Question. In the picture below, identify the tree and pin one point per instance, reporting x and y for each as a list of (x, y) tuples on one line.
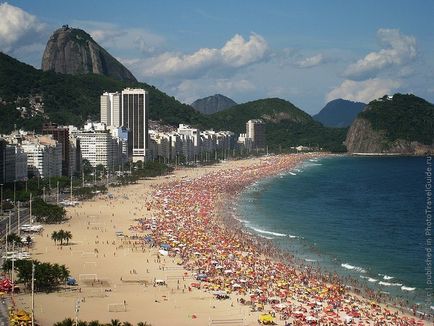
[(55, 236), (13, 237), (67, 236), (115, 322)]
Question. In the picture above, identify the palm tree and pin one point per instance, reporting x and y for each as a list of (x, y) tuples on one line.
[(115, 322), (67, 236), (94, 323), (126, 323), (55, 236), (61, 236)]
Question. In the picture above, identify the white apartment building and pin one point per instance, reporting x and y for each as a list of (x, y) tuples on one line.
[(98, 146), (255, 130), (44, 156), (110, 109), (191, 141)]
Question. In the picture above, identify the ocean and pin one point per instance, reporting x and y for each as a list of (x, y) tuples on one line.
[(361, 217)]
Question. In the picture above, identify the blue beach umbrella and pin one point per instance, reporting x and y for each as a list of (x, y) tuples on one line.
[(165, 246)]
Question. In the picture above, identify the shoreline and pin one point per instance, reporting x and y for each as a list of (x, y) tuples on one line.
[(354, 285), (194, 304)]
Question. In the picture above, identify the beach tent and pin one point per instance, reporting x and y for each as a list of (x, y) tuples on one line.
[(165, 246), (266, 319), (71, 281), (201, 277), (163, 252)]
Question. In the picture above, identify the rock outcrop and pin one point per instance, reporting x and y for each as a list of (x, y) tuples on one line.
[(213, 104), (73, 51), (393, 125)]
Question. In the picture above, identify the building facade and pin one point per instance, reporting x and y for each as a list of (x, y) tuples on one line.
[(255, 130), (61, 135), (135, 105)]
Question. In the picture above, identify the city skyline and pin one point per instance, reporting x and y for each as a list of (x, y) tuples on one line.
[(307, 53)]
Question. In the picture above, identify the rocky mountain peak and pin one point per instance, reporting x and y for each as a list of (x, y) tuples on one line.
[(73, 51)]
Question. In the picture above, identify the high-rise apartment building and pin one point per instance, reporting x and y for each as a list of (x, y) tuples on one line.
[(110, 106), (61, 135), (135, 118), (255, 130), (128, 109)]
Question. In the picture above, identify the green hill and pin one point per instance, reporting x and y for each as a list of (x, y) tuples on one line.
[(286, 125), (405, 116), (72, 99), (402, 124)]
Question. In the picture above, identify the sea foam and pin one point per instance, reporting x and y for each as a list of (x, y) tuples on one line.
[(353, 268), (268, 232)]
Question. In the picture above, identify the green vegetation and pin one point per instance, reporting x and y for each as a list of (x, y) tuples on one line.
[(72, 99), (47, 276), (61, 236), (286, 125), (47, 213), (406, 117)]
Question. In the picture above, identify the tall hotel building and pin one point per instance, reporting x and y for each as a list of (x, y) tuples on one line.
[(135, 117), (128, 109)]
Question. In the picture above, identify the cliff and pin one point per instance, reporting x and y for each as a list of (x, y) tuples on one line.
[(73, 51), (213, 104), (402, 124)]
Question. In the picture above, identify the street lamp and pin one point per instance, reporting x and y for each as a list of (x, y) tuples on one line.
[(15, 190), (57, 193), (1, 198)]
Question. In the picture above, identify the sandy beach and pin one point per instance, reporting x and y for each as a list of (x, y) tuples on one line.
[(116, 255)]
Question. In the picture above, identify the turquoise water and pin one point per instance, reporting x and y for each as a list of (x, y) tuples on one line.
[(358, 216)]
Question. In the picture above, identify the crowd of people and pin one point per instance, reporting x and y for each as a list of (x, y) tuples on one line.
[(188, 222)]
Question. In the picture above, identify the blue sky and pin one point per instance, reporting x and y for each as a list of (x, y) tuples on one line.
[(307, 52)]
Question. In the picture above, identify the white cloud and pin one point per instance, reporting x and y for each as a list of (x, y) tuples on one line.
[(17, 28), (311, 61), (236, 53), (363, 91), (114, 37), (399, 49)]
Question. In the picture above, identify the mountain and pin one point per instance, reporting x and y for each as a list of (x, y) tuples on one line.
[(402, 124), (285, 124), (71, 99), (73, 51), (213, 104), (339, 113)]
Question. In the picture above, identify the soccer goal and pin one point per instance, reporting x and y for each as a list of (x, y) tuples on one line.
[(117, 307), (87, 277)]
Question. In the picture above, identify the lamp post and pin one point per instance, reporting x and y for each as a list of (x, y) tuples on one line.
[(30, 210), (1, 198), (33, 294), (70, 191), (57, 195), (18, 215)]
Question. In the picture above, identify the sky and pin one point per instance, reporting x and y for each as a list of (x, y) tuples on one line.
[(307, 52)]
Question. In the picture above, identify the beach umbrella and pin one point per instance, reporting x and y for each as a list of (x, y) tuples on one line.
[(266, 319)]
